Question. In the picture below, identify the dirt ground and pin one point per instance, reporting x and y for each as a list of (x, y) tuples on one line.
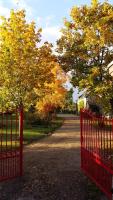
[(52, 169)]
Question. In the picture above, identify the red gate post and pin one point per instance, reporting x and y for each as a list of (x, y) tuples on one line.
[(21, 139)]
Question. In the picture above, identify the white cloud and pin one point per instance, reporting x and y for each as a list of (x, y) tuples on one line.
[(52, 30), (46, 21), (16, 4), (22, 4), (4, 11), (39, 20), (51, 33)]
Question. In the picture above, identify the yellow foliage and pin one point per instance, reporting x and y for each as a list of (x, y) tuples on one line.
[(53, 94)]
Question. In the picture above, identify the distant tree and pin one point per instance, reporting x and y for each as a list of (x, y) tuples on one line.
[(69, 104)]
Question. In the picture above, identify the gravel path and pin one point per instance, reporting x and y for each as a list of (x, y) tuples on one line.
[(52, 168)]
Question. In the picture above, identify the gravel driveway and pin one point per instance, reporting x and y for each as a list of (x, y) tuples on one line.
[(52, 169)]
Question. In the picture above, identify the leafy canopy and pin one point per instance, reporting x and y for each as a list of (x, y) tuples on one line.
[(28, 72), (86, 48), (18, 41)]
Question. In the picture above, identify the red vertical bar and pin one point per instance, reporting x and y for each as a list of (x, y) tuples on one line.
[(100, 144), (89, 134), (105, 141), (1, 151), (4, 147), (85, 128), (16, 142), (104, 136), (21, 139), (93, 132), (6, 162), (81, 129), (111, 140), (84, 132), (107, 138), (96, 135), (110, 147), (91, 138), (88, 131), (11, 130), (2, 161)]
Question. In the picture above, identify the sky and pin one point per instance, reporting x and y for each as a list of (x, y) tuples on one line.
[(47, 14)]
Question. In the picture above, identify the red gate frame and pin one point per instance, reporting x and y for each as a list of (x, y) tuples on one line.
[(97, 149), (11, 159)]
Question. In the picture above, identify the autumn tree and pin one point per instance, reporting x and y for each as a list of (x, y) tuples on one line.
[(18, 49), (86, 48), (53, 93), (29, 73), (24, 66), (45, 62)]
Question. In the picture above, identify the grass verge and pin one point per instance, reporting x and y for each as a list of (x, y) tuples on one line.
[(33, 133)]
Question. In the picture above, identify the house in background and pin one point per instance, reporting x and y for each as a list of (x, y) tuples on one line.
[(90, 102), (81, 102), (110, 68)]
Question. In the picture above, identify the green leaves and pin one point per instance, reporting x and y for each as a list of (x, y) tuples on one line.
[(86, 48)]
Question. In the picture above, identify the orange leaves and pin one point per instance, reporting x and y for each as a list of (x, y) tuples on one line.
[(53, 93)]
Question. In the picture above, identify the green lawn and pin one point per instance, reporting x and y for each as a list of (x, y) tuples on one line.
[(33, 133)]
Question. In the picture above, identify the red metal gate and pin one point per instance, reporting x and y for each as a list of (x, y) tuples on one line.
[(97, 150), (11, 139)]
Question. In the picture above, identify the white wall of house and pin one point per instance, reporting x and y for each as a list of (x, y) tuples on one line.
[(110, 68), (84, 100)]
